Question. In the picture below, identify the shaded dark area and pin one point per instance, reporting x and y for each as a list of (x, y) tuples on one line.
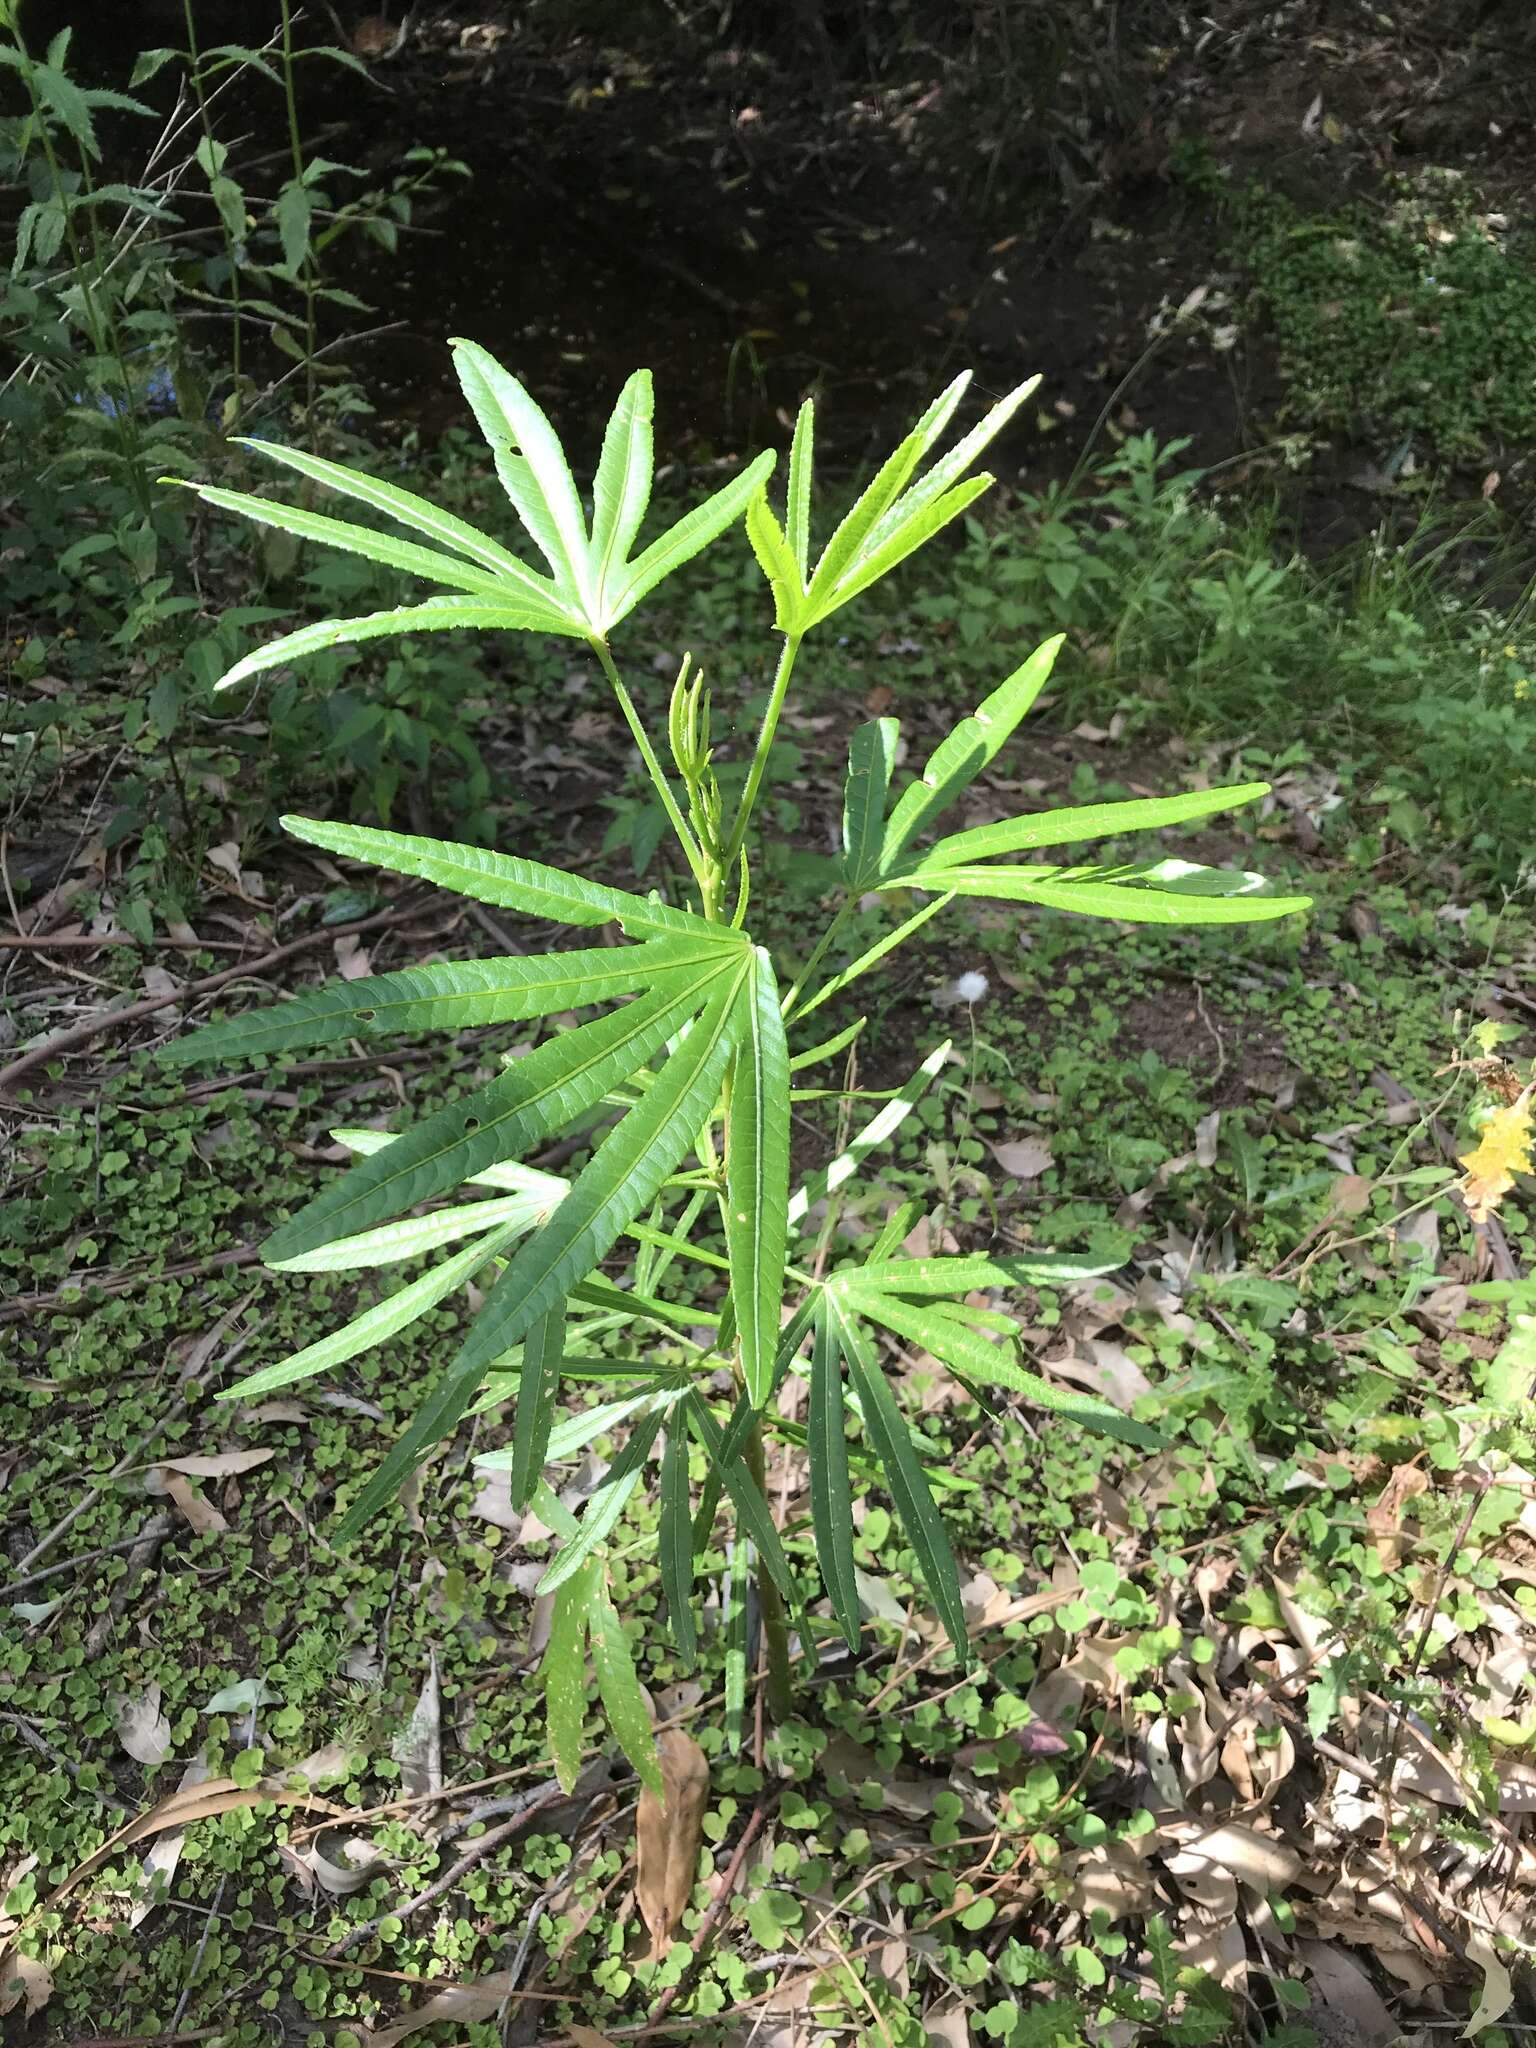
[(765, 201)]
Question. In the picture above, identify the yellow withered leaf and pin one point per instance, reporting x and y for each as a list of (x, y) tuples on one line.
[(1503, 1150)]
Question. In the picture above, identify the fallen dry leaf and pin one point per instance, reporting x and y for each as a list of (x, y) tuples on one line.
[(418, 1749), (667, 1836), (194, 1510), (142, 1729), (26, 1982), (1498, 1987), (461, 2003), (1104, 1369), (164, 1854), (1343, 1987), (1384, 1518), (587, 2037), (220, 1465), (1024, 1158)]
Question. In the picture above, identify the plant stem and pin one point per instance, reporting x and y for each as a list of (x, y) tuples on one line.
[(770, 1600), (231, 250), (307, 278), (654, 769), (818, 954), (764, 746)]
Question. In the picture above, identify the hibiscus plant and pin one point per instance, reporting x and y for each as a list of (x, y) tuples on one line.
[(685, 1064)]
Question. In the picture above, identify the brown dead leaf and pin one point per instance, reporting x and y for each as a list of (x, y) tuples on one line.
[(219, 1466), (352, 958), (947, 2026), (26, 1982), (1384, 1518), (418, 1749), (142, 1728), (194, 1510), (462, 2004), (588, 2037), (667, 1836), (1343, 1987), (1105, 1369), (1023, 1158)]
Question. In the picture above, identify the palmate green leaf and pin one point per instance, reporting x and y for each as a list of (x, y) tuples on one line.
[(601, 1514), (376, 1325), (757, 1193), (829, 1048), (393, 1243), (680, 543), (543, 488), (675, 1541), (538, 1385), (456, 995), (541, 1189), (621, 489), (508, 882), (903, 1470), (1092, 892), (871, 760), (383, 548), (513, 614), (948, 470), (872, 956), (563, 1674), (1087, 821), (945, 1329), (622, 1178), (420, 514), (619, 1689), (549, 1088), (878, 496), (570, 1436), (752, 1510), (831, 1492), (964, 1275), (961, 756), (878, 561)]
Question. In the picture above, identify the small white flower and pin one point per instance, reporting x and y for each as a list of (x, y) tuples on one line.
[(965, 988)]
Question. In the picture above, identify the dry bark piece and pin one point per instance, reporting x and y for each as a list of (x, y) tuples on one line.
[(667, 1836)]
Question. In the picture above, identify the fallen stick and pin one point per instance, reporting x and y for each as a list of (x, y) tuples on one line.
[(110, 1020)]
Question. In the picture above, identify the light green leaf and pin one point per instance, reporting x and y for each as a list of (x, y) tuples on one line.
[(675, 1541), (622, 488), (880, 1127), (511, 420), (961, 756), (563, 1675), (621, 1694), (551, 1087), (831, 1494), (828, 1049), (775, 560), (949, 469), (907, 539), (621, 1179), (502, 879), (871, 758), (456, 995), (410, 510), (683, 541), (903, 1470), (538, 1385), (941, 1328), (393, 1243), (569, 1437), (757, 1148), (513, 614), (874, 954), (602, 1511), (798, 508), (961, 1276), (383, 548), (386, 1319), (1088, 821), (1056, 889), (877, 498)]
